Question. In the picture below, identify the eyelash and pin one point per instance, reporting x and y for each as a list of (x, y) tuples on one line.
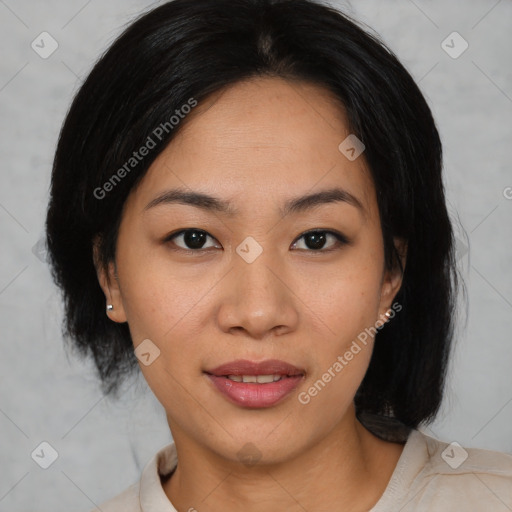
[(341, 239)]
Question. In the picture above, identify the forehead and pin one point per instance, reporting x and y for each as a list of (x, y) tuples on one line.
[(260, 140)]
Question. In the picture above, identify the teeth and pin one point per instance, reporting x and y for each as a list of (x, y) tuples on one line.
[(260, 379), (263, 379)]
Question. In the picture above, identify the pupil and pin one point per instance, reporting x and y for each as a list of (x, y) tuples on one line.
[(194, 239), (317, 239)]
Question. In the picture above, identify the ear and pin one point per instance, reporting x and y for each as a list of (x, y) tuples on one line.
[(109, 283), (392, 280)]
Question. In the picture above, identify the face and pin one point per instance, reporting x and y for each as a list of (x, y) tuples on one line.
[(246, 278)]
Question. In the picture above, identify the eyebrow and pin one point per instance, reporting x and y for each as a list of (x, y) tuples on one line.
[(215, 204)]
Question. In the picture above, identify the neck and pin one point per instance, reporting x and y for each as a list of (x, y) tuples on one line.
[(347, 470)]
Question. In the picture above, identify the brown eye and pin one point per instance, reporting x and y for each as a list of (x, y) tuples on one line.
[(190, 239), (316, 240)]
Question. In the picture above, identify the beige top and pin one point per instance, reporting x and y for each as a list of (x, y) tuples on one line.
[(430, 475)]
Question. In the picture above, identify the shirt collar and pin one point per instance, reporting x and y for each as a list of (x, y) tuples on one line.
[(152, 495)]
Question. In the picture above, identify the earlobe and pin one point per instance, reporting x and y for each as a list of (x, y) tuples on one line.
[(109, 283)]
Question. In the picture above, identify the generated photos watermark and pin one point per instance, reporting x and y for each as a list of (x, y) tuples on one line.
[(138, 156), (341, 362)]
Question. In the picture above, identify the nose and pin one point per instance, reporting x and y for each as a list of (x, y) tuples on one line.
[(257, 300)]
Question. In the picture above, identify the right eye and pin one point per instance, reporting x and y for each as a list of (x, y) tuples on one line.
[(192, 239)]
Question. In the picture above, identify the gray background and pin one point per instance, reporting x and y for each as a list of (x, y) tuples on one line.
[(48, 395)]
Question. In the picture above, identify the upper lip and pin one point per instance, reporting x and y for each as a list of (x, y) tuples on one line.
[(246, 367)]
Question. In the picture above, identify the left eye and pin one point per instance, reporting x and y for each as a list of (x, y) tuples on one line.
[(315, 240), (195, 239)]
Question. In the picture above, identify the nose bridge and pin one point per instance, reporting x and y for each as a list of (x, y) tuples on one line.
[(258, 300), (259, 276)]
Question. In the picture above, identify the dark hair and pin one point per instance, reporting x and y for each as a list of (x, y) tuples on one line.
[(187, 49)]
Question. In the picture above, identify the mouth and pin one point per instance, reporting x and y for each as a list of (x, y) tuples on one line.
[(255, 384)]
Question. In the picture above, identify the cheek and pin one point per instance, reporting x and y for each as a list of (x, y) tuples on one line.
[(159, 296), (348, 308), (348, 298), (170, 305), (163, 304), (347, 302)]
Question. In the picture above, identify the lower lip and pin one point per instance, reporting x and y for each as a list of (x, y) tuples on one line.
[(248, 394)]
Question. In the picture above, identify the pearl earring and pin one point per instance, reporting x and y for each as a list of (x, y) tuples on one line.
[(110, 307)]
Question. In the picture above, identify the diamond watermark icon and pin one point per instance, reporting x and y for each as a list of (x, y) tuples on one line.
[(147, 352), (454, 45), (454, 455), (249, 454), (44, 455), (352, 147), (249, 249), (44, 45)]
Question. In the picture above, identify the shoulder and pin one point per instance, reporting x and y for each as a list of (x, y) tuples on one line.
[(450, 458), (449, 476)]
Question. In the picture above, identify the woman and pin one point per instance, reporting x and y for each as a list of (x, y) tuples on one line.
[(247, 204)]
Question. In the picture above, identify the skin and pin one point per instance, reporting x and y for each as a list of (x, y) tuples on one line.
[(257, 144)]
